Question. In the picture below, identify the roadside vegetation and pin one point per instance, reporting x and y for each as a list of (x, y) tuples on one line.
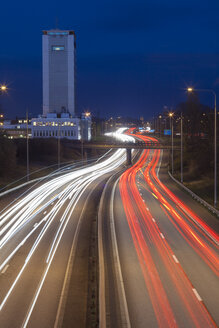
[(42, 153), (198, 146)]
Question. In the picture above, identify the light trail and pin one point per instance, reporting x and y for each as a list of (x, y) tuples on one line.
[(148, 240), (61, 192)]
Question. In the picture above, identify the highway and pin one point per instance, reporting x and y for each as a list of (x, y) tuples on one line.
[(157, 248), (38, 238), (160, 252)]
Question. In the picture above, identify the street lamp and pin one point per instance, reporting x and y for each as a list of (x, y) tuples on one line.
[(87, 114), (171, 127), (190, 89), (27, 137), (3, 88), (160, 117), (181, 134), (58, 145)]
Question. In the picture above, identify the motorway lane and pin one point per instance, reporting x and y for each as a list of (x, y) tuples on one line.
[(140, 309), (177, 287), (19, 302), (196, 252)]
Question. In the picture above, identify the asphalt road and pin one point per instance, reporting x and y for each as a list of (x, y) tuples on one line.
[(168, 252), (158, 250), (39, 236)]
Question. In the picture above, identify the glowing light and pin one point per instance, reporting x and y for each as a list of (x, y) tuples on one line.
[(3, 87)]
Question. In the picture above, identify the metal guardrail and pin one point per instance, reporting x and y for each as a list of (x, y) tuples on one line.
[(196, 197), (127, 145)]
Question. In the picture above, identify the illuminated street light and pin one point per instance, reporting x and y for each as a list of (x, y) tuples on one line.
[(3, 88), (87, 114), (190, 89)]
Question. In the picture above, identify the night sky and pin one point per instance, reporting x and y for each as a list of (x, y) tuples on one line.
[(133, 57)]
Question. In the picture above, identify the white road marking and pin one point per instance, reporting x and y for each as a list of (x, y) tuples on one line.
[(153, 220), (162, 235), (197, 294), (175, 259), (5, 268), (45, 212)]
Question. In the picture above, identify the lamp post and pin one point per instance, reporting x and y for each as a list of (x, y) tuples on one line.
[(181, 134), (171, 128), (58, 145), (3, 89), (27, 132), (215, 137), (160, 117)]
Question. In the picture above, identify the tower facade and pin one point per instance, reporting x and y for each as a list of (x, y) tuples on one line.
[(59, 72)]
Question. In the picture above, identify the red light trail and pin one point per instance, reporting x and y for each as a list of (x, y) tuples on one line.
[(152, 247)]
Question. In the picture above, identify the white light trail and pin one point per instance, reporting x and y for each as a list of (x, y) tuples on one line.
[(62, 190)]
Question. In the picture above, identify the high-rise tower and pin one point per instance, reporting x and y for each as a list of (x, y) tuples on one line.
[(58, 72)]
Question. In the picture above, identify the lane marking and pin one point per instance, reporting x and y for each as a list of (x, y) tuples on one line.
[(197, 294), (45, 212), (175, 259), (154, 195), (5, 268), (35, 224), (162, 235), (153, 220), (125, 320)]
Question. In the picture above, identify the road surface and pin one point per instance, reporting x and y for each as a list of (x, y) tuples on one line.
[(167, 254), (38, 238)]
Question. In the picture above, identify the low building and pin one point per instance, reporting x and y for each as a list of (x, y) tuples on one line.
[(56, 126), (16, 128)]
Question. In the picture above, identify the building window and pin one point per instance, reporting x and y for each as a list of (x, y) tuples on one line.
[(58, 48), (57, 33)]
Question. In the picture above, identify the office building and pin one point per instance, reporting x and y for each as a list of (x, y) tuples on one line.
[(59, 72), (58, 119)]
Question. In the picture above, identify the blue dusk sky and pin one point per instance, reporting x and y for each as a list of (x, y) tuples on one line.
[(133, 57)]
